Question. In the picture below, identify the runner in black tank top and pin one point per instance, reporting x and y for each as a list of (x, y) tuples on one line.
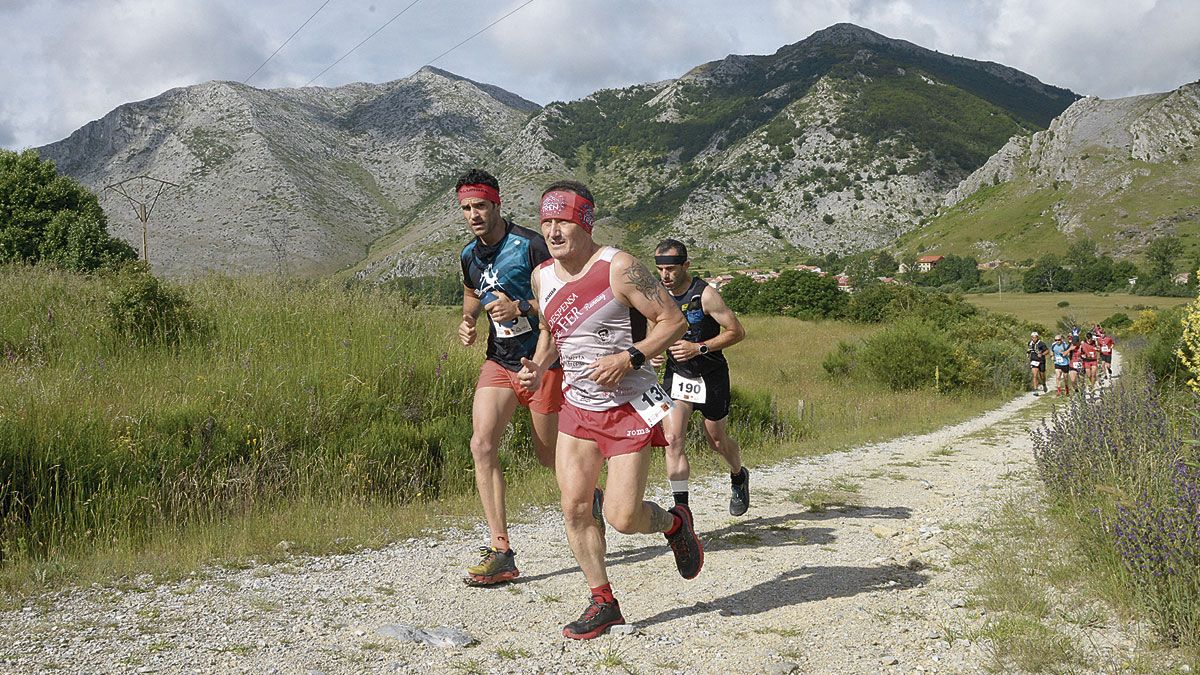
[(701, 328), (697, 374)]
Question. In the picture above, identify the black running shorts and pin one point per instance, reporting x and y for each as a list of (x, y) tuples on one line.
[(716, 389)]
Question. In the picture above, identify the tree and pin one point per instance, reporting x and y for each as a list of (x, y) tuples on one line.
[(1046, 276), (1081, 253), (1161, 255), (740, 293), (884, 264), (48, 217), (805, 295)]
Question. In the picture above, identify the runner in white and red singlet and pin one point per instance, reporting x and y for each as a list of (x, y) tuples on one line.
[(595, 302)]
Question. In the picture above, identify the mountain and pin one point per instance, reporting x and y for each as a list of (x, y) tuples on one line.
[(1120, 172), (297, 180), (843, 141)]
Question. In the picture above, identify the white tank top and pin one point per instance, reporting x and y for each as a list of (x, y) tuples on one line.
[(588, 322)]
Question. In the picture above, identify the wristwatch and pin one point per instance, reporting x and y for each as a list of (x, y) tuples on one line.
[(703, 348), (524, 307), (636, 358)]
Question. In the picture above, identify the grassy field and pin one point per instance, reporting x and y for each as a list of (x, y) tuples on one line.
[(1087, 308), (324, 417)]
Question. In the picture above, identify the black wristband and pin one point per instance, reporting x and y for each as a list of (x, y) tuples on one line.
[(636, 358)]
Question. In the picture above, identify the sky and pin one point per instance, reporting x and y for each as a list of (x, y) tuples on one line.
[(68, 62)]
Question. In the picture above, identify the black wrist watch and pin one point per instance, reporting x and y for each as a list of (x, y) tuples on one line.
[(636, 358), (703, 348), (524, 307)]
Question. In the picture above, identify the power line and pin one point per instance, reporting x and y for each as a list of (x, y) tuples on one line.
[(260, 67), (478, 33), (385, 25)]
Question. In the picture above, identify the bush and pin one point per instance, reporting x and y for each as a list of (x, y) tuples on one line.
[(1117, 322), (1161, 355), (906, 354), (144, 310), (840, 362), (1064, 303), (1122, 472)]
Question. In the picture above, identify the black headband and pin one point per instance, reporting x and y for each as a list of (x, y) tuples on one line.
[(670, 259)]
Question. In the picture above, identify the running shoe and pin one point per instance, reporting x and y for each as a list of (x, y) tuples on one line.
[(689, 553), (597, 618), (494, 567), (739, 501)]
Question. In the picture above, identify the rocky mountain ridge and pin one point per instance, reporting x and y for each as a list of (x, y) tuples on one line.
[(828, 144), (1118, 171)]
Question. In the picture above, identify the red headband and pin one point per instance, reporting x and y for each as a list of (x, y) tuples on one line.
[(565, 205), (479, 191)]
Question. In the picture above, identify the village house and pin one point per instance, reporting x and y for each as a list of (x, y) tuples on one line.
[(926, 263)]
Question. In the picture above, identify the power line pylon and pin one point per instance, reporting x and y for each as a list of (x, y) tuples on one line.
[(144, 204)]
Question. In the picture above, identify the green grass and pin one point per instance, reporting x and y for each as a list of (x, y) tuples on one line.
[(1087, 308), (328, 418), (1017, 216), (1043, 595)]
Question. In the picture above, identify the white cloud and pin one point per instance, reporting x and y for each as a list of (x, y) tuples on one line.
[(75, 60)]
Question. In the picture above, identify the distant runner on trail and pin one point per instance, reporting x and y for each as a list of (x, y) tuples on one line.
[(1037, 362), (1106, 350), (596, 301), (697, 375), (496, 268), (1062, 365)]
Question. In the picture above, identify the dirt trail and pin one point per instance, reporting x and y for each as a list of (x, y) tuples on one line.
[(866, 588)]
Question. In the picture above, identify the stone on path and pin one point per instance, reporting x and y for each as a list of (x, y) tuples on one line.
[(437, 637)]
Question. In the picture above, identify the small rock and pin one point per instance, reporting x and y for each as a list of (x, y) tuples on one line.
[(889, 660), (433, 543), (883, 532), (623, 629), (782, 668), (932, 635), (1185, 668), (284, 546), (957, 603)]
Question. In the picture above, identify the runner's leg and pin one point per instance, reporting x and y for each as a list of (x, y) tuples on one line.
[(490, 414), (625, 507), (545, 435), (719, 440), (678, 468), (577, 466)]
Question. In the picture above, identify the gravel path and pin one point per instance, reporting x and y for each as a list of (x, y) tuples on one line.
[(865, 588)]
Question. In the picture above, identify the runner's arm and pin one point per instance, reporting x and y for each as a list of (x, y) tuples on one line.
[(546, 353), (634, 286), (714, 306), (471, 308)]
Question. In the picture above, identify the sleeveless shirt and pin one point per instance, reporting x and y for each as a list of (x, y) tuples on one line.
[(701, 327), (587, 322)]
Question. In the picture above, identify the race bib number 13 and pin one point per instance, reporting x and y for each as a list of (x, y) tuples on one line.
[(652, 405), (688, 389)]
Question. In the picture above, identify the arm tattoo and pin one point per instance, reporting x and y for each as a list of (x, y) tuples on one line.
[(660, 519), (640, 277)]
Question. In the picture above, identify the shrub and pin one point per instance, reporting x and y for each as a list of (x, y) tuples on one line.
[(1161, 357), (905, 355), (1064, 303), (840, 362), (1189, 347), (144, 310), (1117, 322), (1121, 470)]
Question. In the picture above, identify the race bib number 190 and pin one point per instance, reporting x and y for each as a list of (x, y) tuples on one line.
[(652, 405), (688, 389)]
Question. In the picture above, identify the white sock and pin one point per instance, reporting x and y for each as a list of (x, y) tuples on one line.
[(678, 485)]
